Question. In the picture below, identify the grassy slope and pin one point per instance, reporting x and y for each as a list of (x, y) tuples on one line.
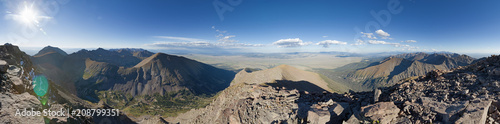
[(168, 105)]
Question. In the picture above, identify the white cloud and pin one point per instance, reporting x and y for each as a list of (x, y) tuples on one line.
[(226, 39), (202, 44), (377, 42), (382, 33), (223, 36), (368, 35), (181, 38), (387, 43), (401, 45), (327, 43), (296, 42), (325, 36), (409, 41), (359, 42)]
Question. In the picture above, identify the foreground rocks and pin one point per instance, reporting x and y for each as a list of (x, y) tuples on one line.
[(467, 94), (11, 102), (383, 112), (244, 103)]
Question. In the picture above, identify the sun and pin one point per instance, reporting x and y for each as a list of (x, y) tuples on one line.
[(28, 15)]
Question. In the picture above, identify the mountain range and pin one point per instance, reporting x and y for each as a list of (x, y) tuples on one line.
[(379, 72), (161, 88), (466, 94), (17, 93)]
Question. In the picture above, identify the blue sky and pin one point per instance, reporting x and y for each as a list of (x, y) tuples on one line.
[(256, 25)]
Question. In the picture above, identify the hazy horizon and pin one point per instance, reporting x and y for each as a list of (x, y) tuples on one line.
[(216, 27), (33, 50)]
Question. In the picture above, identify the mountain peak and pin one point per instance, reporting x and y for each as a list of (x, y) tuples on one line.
[(284, 66), (157, 56), (51, 49), (286, 76)]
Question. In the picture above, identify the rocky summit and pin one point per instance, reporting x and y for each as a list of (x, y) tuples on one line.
[(467, 94)]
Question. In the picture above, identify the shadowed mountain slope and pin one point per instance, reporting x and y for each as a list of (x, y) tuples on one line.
[(161, 73), (132, 71), (17, 93), (130, 79)]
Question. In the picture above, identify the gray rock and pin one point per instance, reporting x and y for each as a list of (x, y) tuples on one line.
[(18, 84), (495, 72), (384, 112), (448, 112), (376, 95), (318, 116), (14, 70), (12, 102), (476, 112), (352, 120), (330, 102)]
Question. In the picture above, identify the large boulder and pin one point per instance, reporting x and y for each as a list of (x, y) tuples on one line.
[(328, 112), (384, 112), (10, 103), (318, 116), (447, 112), (476, 112)]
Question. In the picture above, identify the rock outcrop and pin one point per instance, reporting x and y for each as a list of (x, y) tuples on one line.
[(242, 103), (382, 112), (462, 95)]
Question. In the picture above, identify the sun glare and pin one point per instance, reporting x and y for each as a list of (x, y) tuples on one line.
[(28, 15)]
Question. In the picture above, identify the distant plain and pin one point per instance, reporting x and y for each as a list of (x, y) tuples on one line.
[(303, 61)]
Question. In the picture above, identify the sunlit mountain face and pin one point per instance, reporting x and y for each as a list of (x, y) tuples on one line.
[(240, 61)]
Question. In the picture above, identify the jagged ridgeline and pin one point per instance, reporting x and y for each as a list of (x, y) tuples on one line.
[(135, 80), (18, 91), (381, 72)]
